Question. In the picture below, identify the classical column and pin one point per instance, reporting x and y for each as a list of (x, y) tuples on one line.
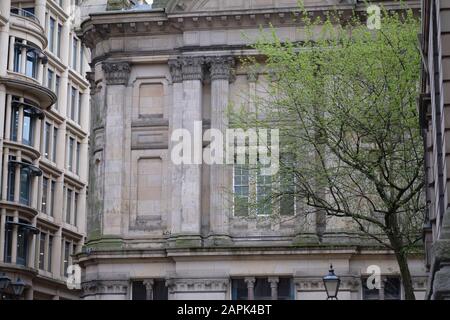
[(192, 71), (57, 253), (2, 233), (39, 10), (116, 76), (5, 7), (220, 69), (250, 281), (175, 124), (149, 289), (274, 287)]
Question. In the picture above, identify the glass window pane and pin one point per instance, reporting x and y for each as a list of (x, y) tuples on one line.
[(42, 250), (44, 194)]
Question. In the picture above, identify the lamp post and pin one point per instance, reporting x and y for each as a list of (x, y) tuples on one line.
[(8, 287), (331, 283)]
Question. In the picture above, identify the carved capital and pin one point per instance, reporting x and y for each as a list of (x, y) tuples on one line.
[(250, 281), (221, 67), (192, 68), (176, 71), (116, 73)]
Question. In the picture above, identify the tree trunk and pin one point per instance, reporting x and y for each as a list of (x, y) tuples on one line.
[(402, 261)]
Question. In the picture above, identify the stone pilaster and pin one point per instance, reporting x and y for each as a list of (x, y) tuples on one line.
[(176, 123), (221, 74), (116, 75), (189, 105)]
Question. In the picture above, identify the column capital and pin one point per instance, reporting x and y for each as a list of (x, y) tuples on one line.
[(250, 281), (148, 283), (273, 281), (176, 72), (192, 68), (221, 67), (116, 73)]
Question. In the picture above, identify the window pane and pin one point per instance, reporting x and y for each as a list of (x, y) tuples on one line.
[(69, 205), (47, 136), (71, 146), (370, 294), (52, 194), (263, 194), (239, 289), (392, 288), (55, 135), (160, 291), (17, 58), (27, 132), (66, 256), (50, 76), (285, 289), (50, 252), (31, 64), (14, 123), (262, 289), (51, 35), (25, 186), (138, 291), (57, 84), (44, 194), (241, 189), (58, 49), (22, 245), (42, 250)]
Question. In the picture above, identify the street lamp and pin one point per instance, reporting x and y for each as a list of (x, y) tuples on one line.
[(331, 283), (6, 286), (18, 287)]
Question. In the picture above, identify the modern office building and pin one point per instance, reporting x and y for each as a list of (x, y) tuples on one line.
[(44, 125), (435, 120), (157, 230)]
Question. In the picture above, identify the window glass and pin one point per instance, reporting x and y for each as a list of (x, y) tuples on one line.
[(25, 186), (44, 194), (47, 137), (392, 288), (27, 131), (241, 189), (42, 250), (66, 256), (69, 205), (55, 135), (51, 35), (50, 252), (138, 291)]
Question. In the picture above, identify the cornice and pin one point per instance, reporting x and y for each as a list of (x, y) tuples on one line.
[(121, 23)]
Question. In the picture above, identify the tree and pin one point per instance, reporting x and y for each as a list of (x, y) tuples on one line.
[(344, 100)]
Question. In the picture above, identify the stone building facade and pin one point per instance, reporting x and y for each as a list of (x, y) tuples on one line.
[(44, 125), (157, 230), (435, 116)]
